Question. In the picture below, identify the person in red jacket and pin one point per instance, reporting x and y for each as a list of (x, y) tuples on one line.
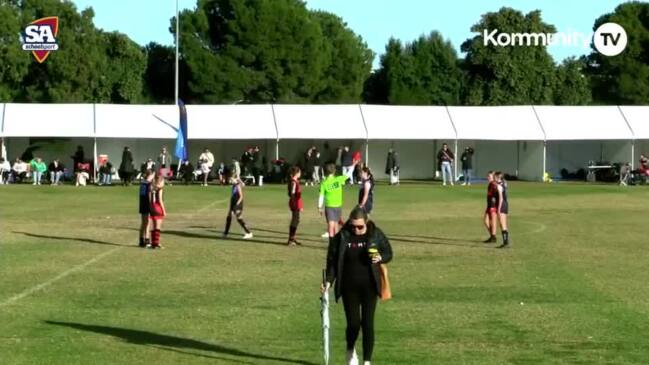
[(295, 203)]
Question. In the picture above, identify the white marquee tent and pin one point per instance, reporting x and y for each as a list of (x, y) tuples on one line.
[(505, 138), (576, 135), (516, 139), (414, 131), (302, 126), (638, 119)]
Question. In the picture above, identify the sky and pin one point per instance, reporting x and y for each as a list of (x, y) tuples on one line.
[(374, 20)]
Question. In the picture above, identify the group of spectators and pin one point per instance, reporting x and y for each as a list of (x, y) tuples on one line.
[(346, 162), (36, 170), (445, 159)]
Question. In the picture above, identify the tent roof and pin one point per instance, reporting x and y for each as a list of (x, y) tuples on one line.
[(230, 122), (407, 122), (48, 120), (136, 121), (583, 123), (496, 123), (319, 122), (638, 118)]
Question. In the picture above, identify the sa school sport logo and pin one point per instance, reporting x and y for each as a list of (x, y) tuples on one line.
[(39, 37)]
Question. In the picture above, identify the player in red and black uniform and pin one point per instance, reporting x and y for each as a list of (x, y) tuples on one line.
[(158, 211), (503, 207), (490, 214), (145, 207), (295, 203)]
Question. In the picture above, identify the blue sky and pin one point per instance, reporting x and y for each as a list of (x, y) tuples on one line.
[(375, 20)]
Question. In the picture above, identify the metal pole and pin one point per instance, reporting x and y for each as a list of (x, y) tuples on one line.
[(544, 160), (633, 155), (94, 167), (177, 38), (367, 153)]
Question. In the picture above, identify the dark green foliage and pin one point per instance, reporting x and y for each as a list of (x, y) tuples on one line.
[(624, 79)]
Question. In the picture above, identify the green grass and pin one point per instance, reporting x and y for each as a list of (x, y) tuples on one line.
[(572, 290)]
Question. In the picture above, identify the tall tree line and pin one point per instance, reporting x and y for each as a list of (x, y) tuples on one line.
[(278, 51)]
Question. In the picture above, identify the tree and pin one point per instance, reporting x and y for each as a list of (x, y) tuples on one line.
[(270, 51), (624, 79), (508, 75), (13, 63), (160, 74), (90, 65), (424, 72), (348, 62), (572, 86)]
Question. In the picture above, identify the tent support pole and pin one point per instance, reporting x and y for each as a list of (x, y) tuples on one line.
[(633, 155), (277, 149), (3, 148), (367, 153), (545, 145), (518, 157), (94, 156), (454, 178)]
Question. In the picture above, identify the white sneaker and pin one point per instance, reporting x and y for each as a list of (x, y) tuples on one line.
[(352, 358), (443, 184), (463, 184), (366, 363), (325, 235), (247, 236)]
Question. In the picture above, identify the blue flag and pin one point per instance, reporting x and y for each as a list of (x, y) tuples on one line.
[(181, 139)]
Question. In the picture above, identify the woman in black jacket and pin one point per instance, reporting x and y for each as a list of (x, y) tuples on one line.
[(126, 168), (353, 265)]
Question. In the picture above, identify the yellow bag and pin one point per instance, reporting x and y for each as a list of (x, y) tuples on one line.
[(386, 293)]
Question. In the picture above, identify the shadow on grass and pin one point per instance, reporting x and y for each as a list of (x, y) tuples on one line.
[(139, 337), (77, 239), (433, 238), (217, 236), (468, 244)]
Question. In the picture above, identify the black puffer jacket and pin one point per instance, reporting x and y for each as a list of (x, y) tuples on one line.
[(336, 254)]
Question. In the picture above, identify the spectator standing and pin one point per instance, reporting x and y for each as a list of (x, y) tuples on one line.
[(309, 167), (164, 159), (347, 161), (38, 169), (317, 163), (338, 161), (78, 157), (56, 171), (147, 165), (467, 165), (5, 171), (126, 168), (392, 166), (446, 157)]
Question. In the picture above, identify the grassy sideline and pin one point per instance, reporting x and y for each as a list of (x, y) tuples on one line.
[(572, 290)]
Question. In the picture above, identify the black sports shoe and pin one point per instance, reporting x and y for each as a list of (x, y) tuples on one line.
[(504, 245), (491, 239)]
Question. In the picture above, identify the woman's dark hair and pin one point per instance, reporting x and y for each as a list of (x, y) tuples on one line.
[(367, 170), (330, 169), (293, 171), (358, 213)]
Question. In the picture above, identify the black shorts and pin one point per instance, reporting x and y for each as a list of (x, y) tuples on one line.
[(145, 207), (504, 209), (236, 207)]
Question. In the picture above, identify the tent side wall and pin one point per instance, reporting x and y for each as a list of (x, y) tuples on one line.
[(530, 165), (416, 158), (575, 155), (49, 148)]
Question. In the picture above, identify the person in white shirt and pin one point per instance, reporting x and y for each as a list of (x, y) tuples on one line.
[(20, 170), (5, 170), (205, 163)]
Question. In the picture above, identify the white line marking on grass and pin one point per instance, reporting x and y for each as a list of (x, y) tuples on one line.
[(62, 275), (211, 205), (540, 228)]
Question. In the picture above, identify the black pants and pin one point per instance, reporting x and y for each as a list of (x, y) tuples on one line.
[(359, 299)]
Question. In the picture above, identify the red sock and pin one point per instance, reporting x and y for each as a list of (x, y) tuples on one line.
[(155, 238)]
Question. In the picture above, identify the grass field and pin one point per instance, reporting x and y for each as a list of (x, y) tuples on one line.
[(76, 290)]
